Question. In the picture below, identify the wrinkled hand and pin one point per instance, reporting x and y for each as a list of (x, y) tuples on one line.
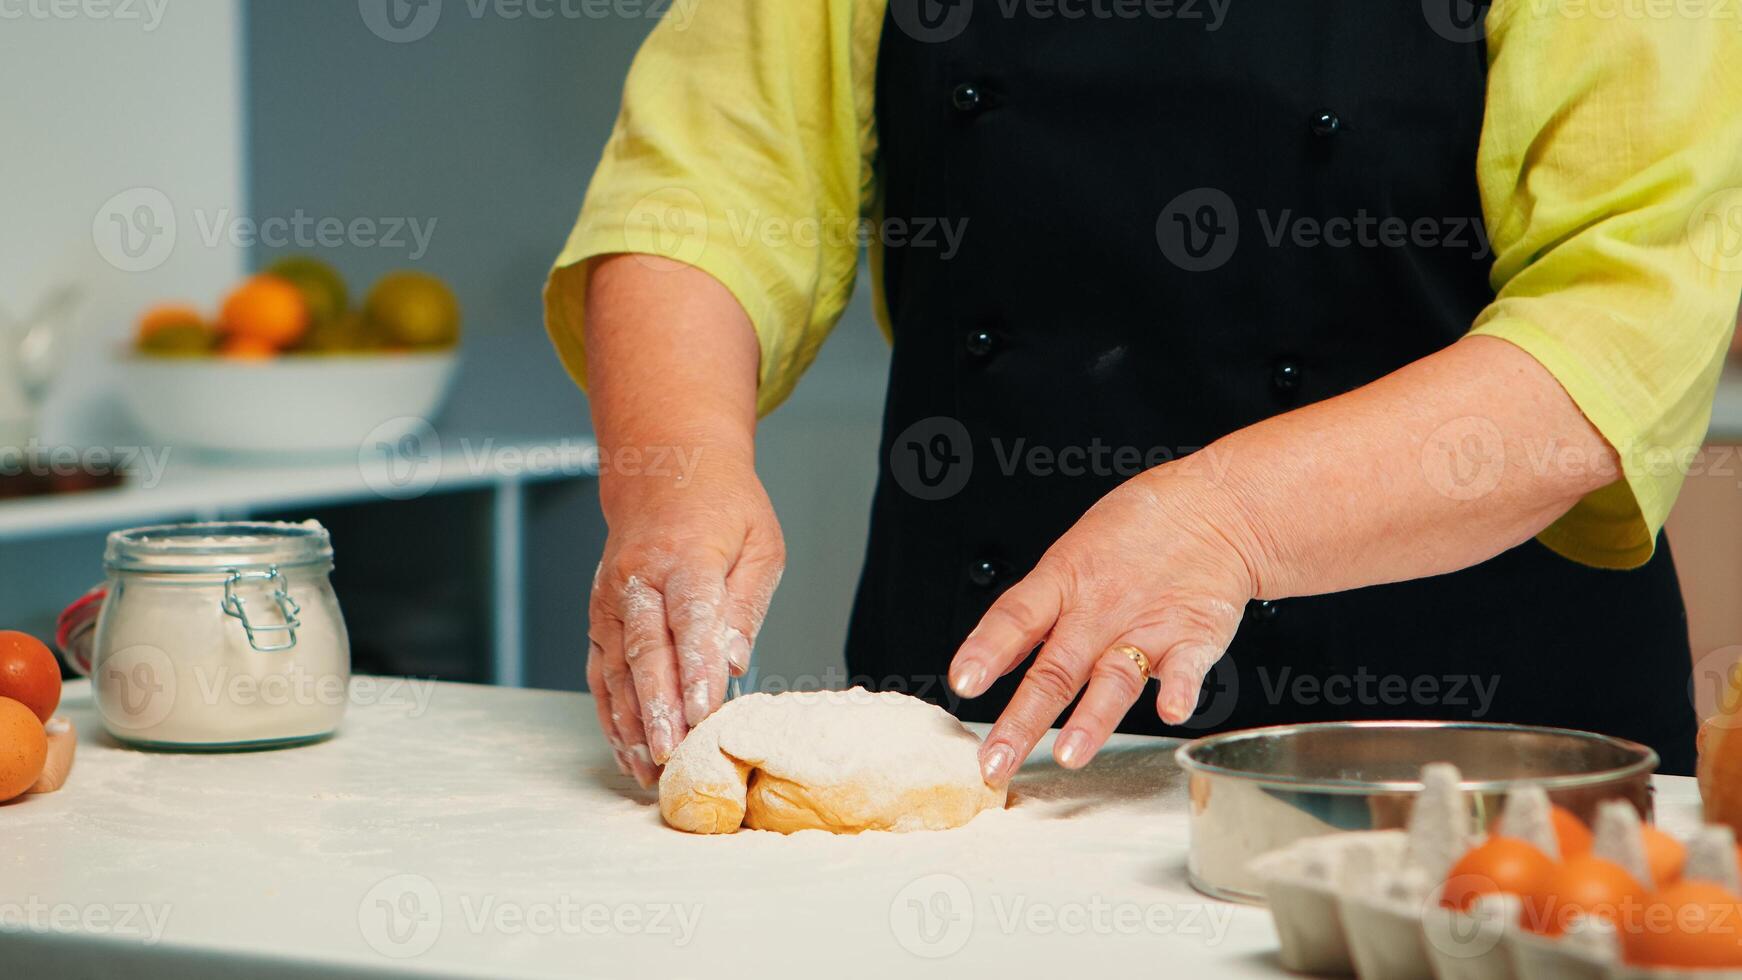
[(688, 572), (1157, 564)]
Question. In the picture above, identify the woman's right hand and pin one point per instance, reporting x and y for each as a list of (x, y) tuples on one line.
[(688, 572), (694, 551)]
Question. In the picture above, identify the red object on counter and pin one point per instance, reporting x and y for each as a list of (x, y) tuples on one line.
[(77, 626)]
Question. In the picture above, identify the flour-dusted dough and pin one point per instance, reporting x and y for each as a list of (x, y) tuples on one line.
[(841, 761)]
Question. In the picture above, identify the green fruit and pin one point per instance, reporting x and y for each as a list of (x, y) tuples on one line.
[(414, 310), (347, 334), (179, 340), (320, 284)]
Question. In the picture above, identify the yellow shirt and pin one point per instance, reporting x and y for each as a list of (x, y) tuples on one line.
[(1610, 170)]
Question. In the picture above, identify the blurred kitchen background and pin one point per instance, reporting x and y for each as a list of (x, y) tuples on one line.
[(478, 122), (480, 126)]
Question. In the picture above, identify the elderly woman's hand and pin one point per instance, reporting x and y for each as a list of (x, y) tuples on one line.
[(1157, 572), (688, 573), (694, 551), (1369, 487)]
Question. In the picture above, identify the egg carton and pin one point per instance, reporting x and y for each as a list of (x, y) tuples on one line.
[(1367, 903)]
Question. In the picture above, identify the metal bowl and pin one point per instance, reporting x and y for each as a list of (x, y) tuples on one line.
[(1260, 789)]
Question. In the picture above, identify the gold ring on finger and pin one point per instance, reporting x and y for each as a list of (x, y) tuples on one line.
[(1136, 656)]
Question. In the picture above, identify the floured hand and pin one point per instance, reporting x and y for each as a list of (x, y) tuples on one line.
[(694, 551), (688, 572)]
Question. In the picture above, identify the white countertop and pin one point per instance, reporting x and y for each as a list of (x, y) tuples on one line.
[(165, 485), (459, 830)]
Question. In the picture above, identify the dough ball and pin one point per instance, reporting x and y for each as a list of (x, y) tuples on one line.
[(841, 761)]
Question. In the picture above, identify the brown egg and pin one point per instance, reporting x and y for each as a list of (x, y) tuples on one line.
[(23, 748), (1689, 924)]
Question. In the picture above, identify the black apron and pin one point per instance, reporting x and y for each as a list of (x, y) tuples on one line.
[(1175, 228)]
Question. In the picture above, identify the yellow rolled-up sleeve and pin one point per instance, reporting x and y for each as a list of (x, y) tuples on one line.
[(743, 149), (1610, 162)]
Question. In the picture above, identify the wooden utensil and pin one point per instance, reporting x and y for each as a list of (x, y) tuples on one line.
[(62, 738)]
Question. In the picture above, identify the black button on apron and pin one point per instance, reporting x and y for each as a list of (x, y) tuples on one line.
[(967, 97), (1326, 123), (1285, 377), (979, 343), (1262, 611), (983, 573)]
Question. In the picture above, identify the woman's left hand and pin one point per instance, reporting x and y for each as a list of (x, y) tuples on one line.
[(1160, 565)]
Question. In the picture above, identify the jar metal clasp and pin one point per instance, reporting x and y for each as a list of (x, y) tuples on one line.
[(235, 605)]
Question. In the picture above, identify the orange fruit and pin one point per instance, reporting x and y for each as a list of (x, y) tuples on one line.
[(1570, 832), (23, 748), (248, 349), (267, 309), (1499, 864), (29, 673), (1587, 885), (1664, 855), (168, 315), (1688, 924)]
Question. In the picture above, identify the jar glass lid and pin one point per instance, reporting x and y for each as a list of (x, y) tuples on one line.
[(217, 546)]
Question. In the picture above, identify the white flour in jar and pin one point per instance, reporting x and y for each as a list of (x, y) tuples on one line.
[(172, 668)]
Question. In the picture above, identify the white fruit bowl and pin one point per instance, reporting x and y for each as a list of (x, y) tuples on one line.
[(293, 404)]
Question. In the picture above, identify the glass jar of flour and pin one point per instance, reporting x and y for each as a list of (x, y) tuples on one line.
[(219, 637)]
